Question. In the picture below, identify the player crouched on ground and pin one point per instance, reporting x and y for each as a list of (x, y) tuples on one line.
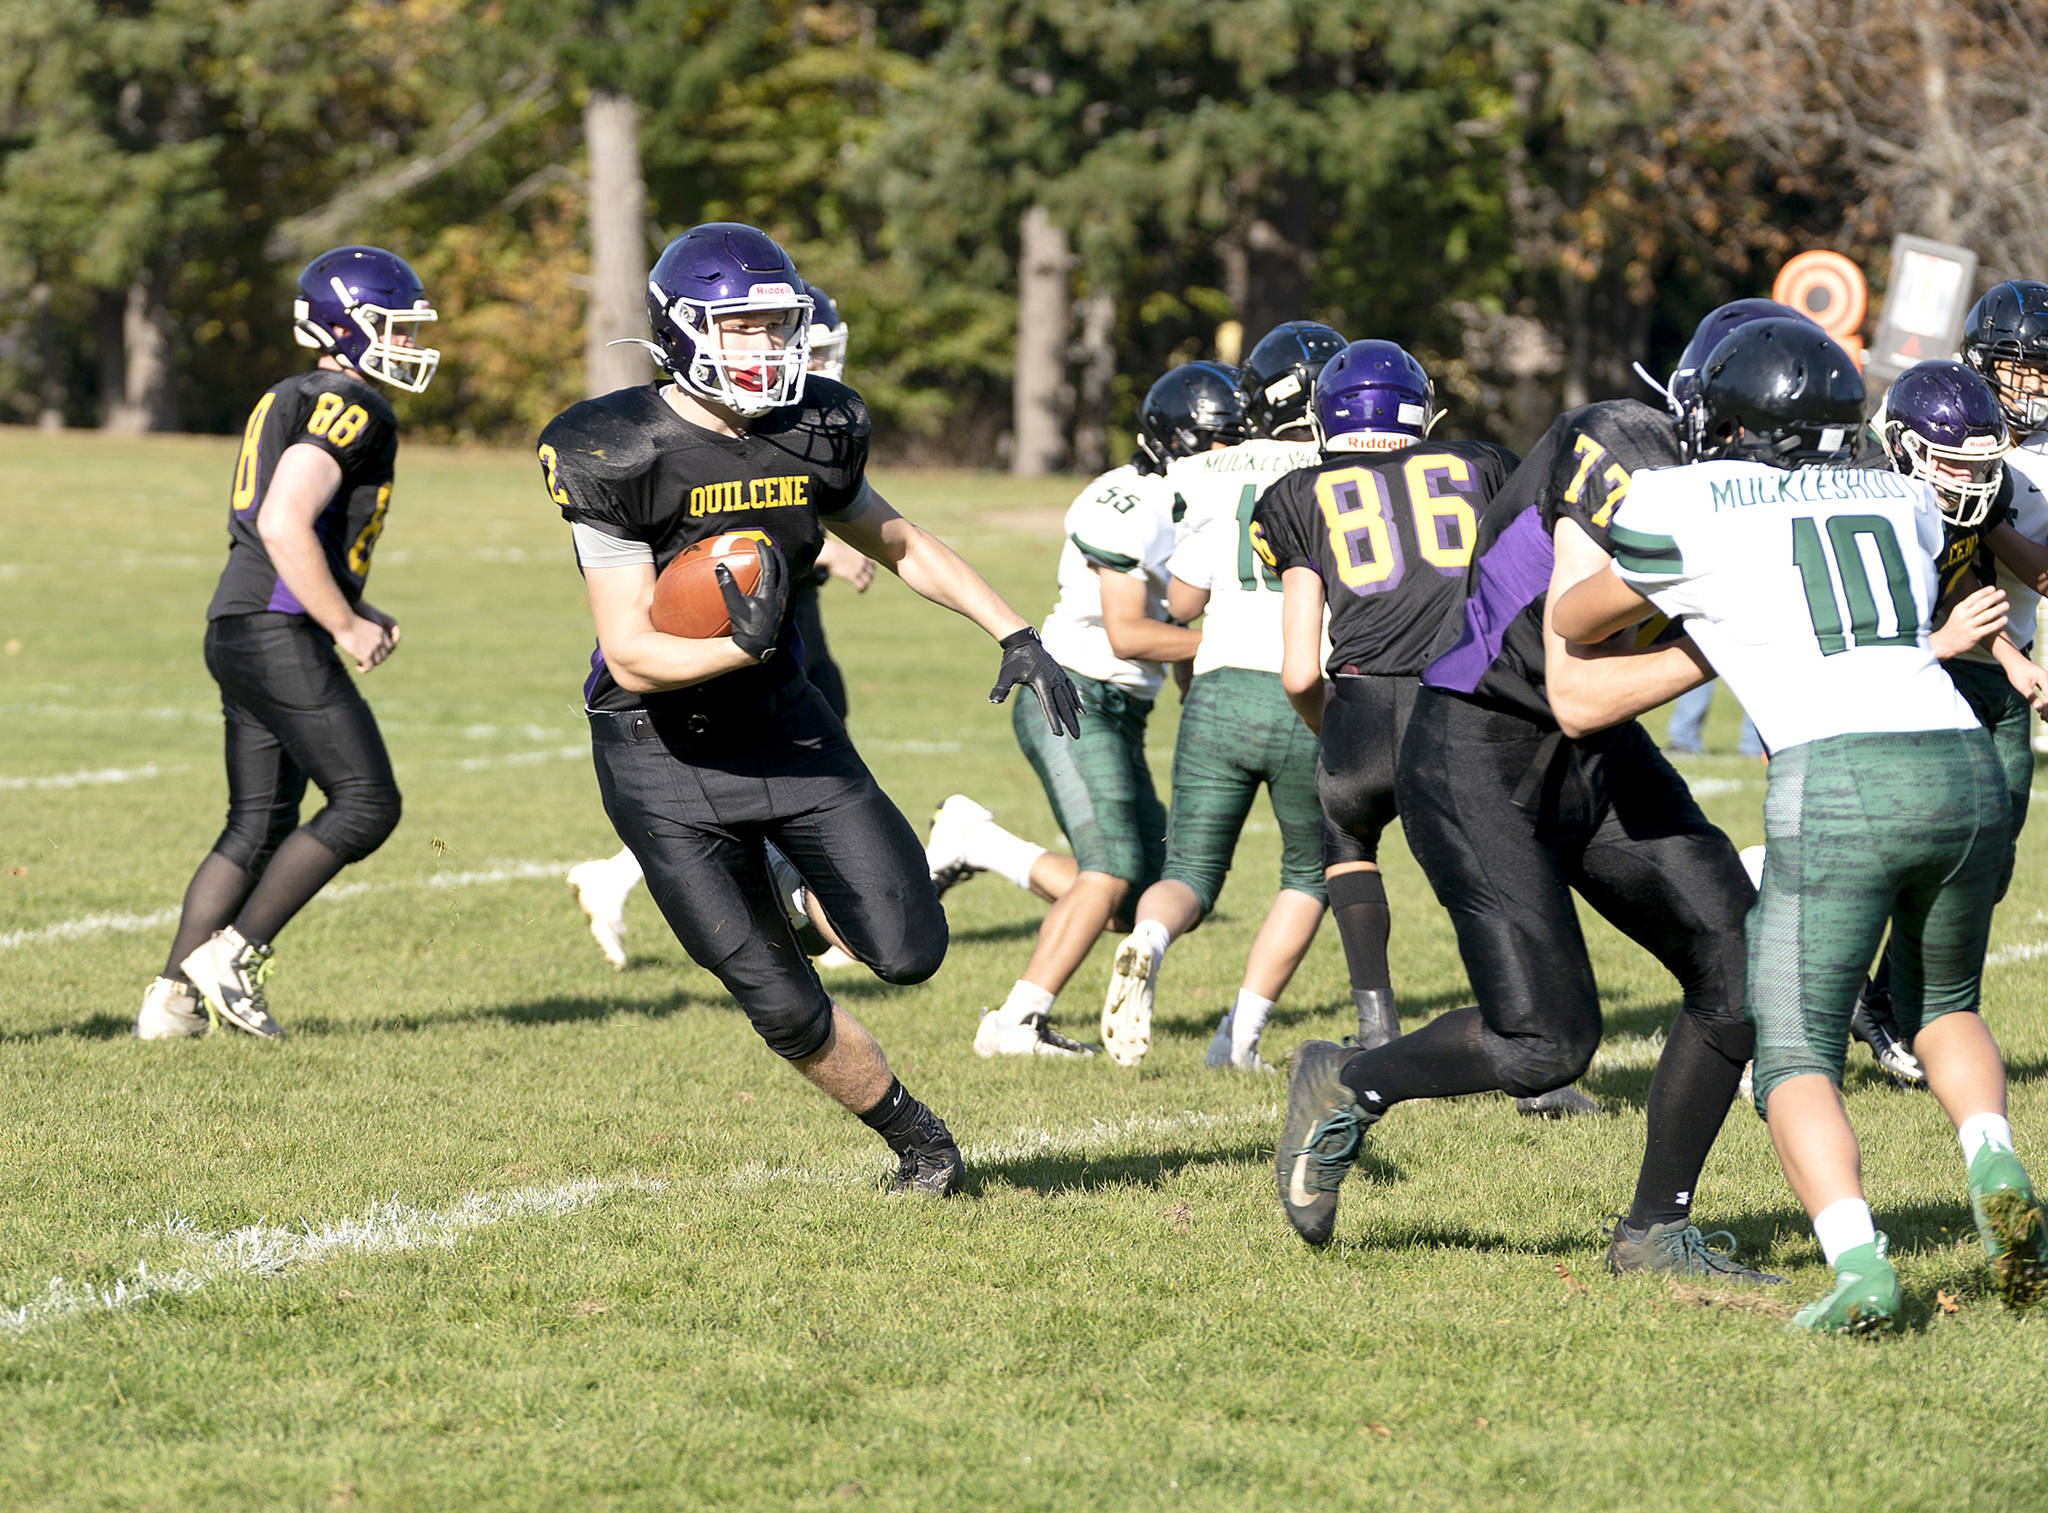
[(709, 750), (1810, 586), (1110, 632)]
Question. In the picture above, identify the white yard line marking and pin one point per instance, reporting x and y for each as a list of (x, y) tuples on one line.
[(524, 758), (93, 779), (1706, 788), (263, 1250), (119, 924)]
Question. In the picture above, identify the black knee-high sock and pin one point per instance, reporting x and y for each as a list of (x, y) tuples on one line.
[(1444, 1058), (211, 899), (302, 867), (1358, 903), (1689, 1097)]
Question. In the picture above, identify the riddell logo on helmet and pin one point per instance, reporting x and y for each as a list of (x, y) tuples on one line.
[(771, 291)]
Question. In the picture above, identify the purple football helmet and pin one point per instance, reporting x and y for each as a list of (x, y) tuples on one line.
[(1941, 423), (1717, 323), (375, 298), (2008, 328), (828, 334), (722, 269), (1372, 397)]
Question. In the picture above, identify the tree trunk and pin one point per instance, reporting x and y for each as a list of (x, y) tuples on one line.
[(1039, 400), (137, 390), (52, 392), (1098, 372), (618, 258)]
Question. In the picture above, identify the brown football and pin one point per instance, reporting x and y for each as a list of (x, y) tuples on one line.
[(687, 601)]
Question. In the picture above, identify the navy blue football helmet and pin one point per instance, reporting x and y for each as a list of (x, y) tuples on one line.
[(1280, 372), (828, 334), (1188, 410), (375, 298), (1776, 391), (719, 269), (1941, 423), (1372, 397), (1707, 335), (2009, 325)]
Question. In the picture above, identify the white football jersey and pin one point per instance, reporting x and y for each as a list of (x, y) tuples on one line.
[(2028, 464), (1808, 590), (1121, 523), (1214, 493)]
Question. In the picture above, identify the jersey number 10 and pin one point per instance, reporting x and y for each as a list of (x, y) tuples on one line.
[(1843, 548)]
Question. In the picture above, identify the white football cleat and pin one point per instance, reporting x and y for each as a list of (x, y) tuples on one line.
[(171, 1010), (833, 959), (996, 1036), (228, 973), (1127, 1007), (601, 889), (945, 849), (1753, 864)]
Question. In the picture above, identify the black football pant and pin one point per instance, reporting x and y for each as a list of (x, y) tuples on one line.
[(1359, 752), (1506, 820), (694, 798), (293, 713)]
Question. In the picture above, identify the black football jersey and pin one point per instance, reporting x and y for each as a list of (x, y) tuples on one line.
[(1492, 649), (352, 422), (1391, 535), (628, 465)]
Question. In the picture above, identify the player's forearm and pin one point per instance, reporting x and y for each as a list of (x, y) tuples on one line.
[(1141, 640), (1308, 703), (2026, 560), (302, 567), (650, 662), (1591, 688), (933, 570)]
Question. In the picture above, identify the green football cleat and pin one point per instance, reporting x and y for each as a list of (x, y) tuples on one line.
[(2010, 1221), (1679, 1249), (1319, 1140), (1866, 1298)]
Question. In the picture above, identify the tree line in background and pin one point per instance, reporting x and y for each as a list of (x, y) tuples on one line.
[(1025, 209)]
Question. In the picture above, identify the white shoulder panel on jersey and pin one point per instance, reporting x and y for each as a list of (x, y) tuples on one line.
[(1214, 493)]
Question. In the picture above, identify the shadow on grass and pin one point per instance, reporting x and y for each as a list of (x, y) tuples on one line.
[(1072, 1174), (1016, 929), (1285, 1015), (98, 1027)]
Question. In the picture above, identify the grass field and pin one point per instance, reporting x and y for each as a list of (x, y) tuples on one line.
[(499, 1228)]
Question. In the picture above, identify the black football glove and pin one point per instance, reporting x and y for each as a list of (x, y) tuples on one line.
[(1025, 660), (757, 617)]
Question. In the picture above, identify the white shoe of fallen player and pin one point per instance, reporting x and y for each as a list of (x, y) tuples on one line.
[(601, 889), (1127, 1007), (171, 1010), (1753, 864), (833, 959), (945, 849), (1031, 1036)]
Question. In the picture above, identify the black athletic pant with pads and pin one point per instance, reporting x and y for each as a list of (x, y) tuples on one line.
[(694, 798), (1507, 819)]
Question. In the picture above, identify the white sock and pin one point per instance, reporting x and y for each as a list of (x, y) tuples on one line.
[(1247, 1023), (1842, 1226), (1154, 935), (991, 847), (1981, 1130), (1025, 1000)]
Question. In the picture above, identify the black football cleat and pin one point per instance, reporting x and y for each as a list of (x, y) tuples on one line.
[(932, 1165), (1872, 1023)]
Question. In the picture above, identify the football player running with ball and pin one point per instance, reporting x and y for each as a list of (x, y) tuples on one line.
[(707, 751), (1809, 586), (308, 502)]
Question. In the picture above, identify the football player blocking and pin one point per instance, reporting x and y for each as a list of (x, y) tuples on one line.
[(602, 886), (709, 751), (307, 504), (1810, 587)]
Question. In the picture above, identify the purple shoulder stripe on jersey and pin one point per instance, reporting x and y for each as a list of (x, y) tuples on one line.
[(1513, 574), (283, 601)]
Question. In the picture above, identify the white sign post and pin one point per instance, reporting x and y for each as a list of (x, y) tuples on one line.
[(1932, 288)]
